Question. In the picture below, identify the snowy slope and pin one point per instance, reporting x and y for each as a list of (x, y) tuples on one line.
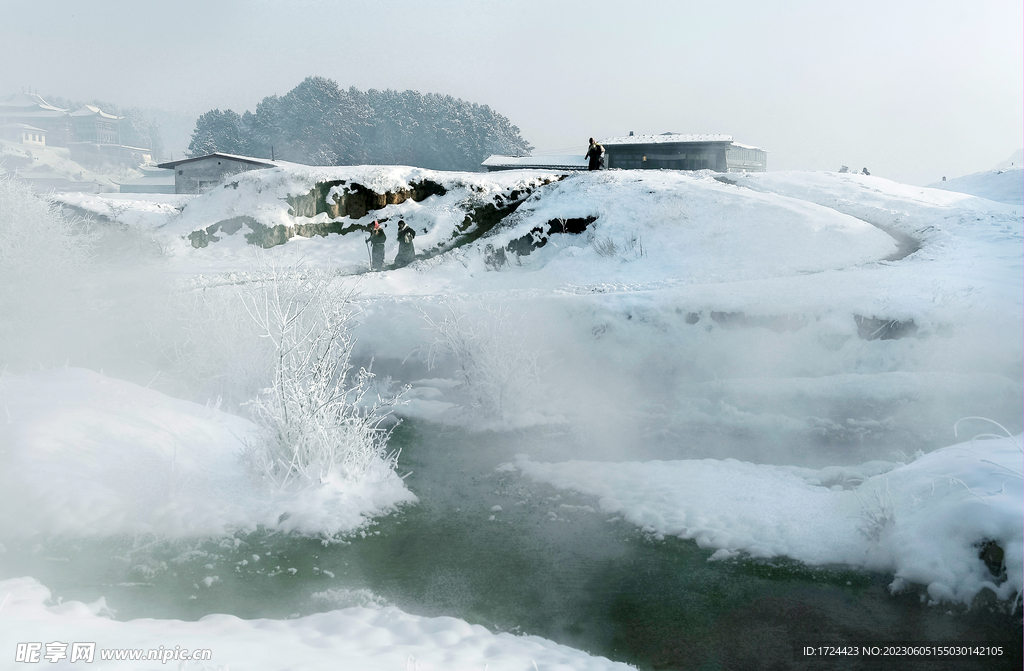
[(353, 638), (1005, 185)]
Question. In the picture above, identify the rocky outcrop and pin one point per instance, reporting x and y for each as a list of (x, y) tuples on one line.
[(338, 198), (538, 236), (345, 202), (266, 236)]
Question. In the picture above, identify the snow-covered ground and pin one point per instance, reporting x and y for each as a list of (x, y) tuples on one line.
[(810, 324), (1004, 185), (352, 638), (36, 163)]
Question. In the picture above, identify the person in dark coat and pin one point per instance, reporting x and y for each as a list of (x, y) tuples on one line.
[(406, 250), (376, 240), (594, 154)]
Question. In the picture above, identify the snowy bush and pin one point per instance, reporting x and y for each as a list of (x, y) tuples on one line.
[(877, 512), (631, 247), (35, 239), (208, 346), (495, 362), (42, 256), (318, 419)]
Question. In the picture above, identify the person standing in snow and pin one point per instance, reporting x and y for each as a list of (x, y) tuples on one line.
[(594, 154), (376, 240), (406, 250)]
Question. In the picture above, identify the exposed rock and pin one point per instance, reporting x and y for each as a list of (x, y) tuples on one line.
[(355, 200), (538, 237), (777, 323), (994, 558), (872, 328)]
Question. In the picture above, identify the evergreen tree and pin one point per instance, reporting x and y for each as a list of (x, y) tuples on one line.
[(220, 131), (319, 123)]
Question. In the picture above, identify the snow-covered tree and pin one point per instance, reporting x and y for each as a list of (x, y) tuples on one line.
[(319, 123)]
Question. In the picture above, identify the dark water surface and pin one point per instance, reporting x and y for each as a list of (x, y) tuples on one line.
[(549, 563)]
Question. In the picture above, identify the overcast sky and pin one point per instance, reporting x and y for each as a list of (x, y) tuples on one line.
[(911, 90)]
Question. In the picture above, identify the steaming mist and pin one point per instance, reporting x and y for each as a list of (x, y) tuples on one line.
[(760, 379)]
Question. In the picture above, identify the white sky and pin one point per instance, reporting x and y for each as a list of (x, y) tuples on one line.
[(912, 90)]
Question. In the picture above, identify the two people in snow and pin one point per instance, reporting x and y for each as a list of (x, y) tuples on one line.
[(594, 155), (406, 249)]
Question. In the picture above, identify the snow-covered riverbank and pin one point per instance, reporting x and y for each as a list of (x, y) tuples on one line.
[(818, 327)]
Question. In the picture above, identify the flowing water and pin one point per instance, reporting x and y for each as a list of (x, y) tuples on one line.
[(547, 563)]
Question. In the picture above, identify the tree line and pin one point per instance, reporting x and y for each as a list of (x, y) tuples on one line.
[(319, 123)]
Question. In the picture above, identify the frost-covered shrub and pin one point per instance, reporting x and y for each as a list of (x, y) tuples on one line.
[(319, 420), (631, 247), (208, 347), (35, 239), (42, 258), (495, 361)]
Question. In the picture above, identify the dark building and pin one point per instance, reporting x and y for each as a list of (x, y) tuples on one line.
[(676, 151), (668, 151), (202, 173)]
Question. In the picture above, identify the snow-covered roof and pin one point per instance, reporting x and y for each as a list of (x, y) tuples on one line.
[(24, 112), (563, 161), (29, 100), (151, 178), (231, 157), (92, 110), (25, 126), (748, 146), (667, 138)]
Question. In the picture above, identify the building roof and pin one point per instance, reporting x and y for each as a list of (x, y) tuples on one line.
[(92, 110), (25, 112), (748, 146), (667, 138), (25, 126), (151, 178), (563, 162), (29, 101), (231, 157)]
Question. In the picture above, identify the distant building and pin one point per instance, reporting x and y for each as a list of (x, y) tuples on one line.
[(97, 139), (25, 134), (91, 124), (32, 110), (676, 151), (202, 173), (92, 135), (668, 151)]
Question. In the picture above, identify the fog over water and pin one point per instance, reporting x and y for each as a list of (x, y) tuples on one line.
[(913, 90), (719, 419)]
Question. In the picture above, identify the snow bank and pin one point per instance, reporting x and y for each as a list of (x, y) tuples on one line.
[(145, 211), (353, 638), (1005, 185), (925, 522), (88, 455)]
